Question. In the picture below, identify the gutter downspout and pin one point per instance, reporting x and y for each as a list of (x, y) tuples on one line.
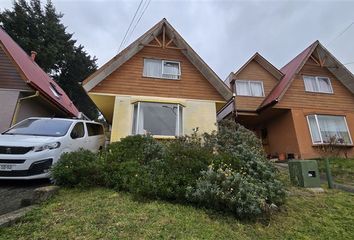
[(234, 105), (232, 86), (18, 104)]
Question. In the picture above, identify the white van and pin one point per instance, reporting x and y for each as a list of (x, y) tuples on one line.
[(31, 147)]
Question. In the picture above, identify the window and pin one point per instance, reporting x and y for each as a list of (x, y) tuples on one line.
[(94, 129), (157, 119), (318, 84), (162, 69), (324, 127), (54, 90), (249, 88), (78, 131)]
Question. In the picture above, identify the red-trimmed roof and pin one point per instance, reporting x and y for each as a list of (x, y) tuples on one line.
[(35, 76), (289, 71)]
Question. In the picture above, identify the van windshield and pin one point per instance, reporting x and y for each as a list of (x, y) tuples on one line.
[(40, 127)]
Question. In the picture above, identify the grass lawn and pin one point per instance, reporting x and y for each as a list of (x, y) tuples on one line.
[(105, 214), (342, 170)]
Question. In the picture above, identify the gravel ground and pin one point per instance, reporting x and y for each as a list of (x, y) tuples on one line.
[(13, 192)]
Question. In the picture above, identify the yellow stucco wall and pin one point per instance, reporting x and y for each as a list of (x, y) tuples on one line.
[(196, 113)]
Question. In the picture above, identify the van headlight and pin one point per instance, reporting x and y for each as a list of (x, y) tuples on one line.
[(48, 146)]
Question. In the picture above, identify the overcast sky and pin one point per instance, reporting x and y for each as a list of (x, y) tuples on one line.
[(224, 33)]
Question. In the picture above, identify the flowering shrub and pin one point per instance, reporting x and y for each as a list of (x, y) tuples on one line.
[(241, 180), (228, 190)]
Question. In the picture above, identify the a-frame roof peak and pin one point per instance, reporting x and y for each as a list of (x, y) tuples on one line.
[(144, 40), (264, 63), (295, 65)]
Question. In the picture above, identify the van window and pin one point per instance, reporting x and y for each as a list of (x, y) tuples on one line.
[(94, 129), (78, 131)]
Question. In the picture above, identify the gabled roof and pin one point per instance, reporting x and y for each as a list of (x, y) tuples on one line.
[(264, 63), (295, 66), (35, 76), (145, 39)]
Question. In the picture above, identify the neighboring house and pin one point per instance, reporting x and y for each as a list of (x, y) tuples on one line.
[(298, 108), (157, 85), (25, 89)]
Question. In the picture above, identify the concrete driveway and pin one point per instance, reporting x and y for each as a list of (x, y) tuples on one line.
[(13, 192)]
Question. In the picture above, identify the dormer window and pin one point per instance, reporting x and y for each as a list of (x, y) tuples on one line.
[(54, 90), (318, 84), (162, 69), (249, 88)]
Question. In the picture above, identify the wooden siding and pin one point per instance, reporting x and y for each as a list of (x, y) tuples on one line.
[(282, 136), (297, 97), (254, 71), (129, 80), (10, 77)]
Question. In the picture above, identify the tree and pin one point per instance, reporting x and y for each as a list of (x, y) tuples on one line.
[(37, 28)]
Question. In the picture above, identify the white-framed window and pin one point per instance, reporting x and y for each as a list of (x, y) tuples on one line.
[(323, 128), (162, 68), (249, 88), (163, 119), (318, 84), (54, 90)]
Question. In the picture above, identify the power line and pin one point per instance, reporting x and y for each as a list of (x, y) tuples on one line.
[(340, 34), (349, 63), (142, 13), (131, 22)]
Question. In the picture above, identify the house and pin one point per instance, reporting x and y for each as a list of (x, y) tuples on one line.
[(25, 89), (297, 109), (157, 85)]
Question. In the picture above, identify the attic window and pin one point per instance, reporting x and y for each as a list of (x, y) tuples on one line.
[(249, 88), (162, 69), (318, 84), (54, 90)]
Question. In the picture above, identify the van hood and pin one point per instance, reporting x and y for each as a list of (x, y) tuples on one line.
[(25, 141)]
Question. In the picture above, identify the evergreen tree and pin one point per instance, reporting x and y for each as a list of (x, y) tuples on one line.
[(37, 28)]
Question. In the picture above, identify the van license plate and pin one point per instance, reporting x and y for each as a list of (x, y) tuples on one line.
[(5, 167)]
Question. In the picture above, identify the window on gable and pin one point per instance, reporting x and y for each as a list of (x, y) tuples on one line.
[(157, 119), (324, 128), (318, 84), (161, 68), (54, 90), (249, 88)]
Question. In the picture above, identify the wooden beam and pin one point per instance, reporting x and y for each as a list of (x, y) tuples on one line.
[(157, 40), (319, 58), (163, 36), (151, 45), (315, 60), (178, 48), (169, 42), (324, 60)]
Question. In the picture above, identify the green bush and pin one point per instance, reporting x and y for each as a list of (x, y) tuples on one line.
[(241, 180), (124, 160), (139, 148), (224, 170), (179, 167), (228, 190), (81, 168)]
